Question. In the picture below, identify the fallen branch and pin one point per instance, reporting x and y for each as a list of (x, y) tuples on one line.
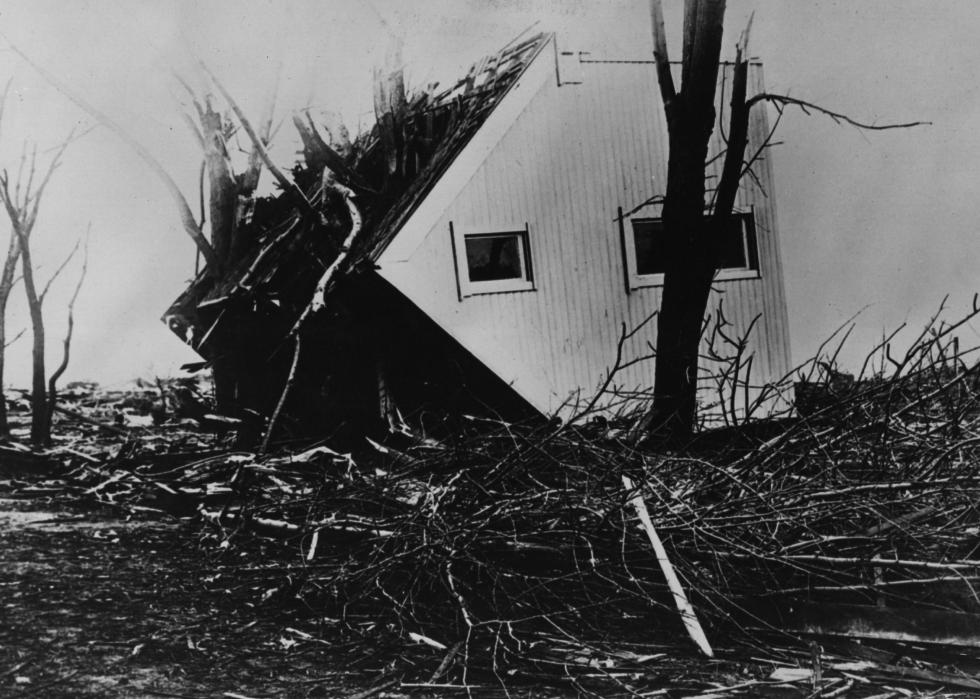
[(684, 607), (318, 302), (290, 379)]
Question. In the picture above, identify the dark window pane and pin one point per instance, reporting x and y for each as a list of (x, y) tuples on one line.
[(494, 257), (648, 242), (736, 245)]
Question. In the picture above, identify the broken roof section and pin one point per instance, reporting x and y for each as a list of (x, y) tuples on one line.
[(465, 107), (392, 168)]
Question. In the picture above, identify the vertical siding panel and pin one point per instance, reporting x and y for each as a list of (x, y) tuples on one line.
[(574, 155)]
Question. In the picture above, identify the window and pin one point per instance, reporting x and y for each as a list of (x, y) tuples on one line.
[(494, 257), (493, 262), (645, 254)]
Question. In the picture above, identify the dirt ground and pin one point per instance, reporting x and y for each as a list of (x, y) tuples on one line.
[(98, 606)]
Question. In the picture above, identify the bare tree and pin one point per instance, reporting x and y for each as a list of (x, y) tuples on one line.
[(66, 342), (22, 201), (229, 195), (693, 225)]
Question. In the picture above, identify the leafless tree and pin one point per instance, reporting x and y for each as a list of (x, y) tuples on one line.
[(228, 195), (22, 201), (692, 224), (66, 342)]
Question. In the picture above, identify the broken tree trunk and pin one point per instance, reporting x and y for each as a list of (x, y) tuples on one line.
[(691, 228), (40, 416)]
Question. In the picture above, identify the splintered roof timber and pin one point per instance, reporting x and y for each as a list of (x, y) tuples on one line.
[(468, 103), (432, 129)]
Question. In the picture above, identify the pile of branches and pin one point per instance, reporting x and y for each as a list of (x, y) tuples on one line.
[(510, 532), (517, 549)]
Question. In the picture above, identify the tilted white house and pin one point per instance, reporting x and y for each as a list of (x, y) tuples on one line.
[(510, 234), (537, 243)]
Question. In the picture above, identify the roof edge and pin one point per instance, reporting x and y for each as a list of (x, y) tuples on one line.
[(466, 163)]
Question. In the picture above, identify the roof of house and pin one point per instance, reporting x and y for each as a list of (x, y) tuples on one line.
[(431, 130), (467, 104)]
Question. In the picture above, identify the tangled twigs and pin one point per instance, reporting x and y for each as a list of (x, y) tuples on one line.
[(513, 551)]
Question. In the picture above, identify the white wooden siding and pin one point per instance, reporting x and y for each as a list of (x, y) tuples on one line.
[(574, 154)]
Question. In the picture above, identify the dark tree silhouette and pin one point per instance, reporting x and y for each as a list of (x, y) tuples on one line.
[(693, 224)]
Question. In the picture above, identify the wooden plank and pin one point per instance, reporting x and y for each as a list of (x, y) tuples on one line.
[(912, 625)]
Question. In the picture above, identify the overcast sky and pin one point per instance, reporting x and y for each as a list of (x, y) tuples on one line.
[(886, 221)]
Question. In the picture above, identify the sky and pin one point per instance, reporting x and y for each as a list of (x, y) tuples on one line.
[(884, 223)]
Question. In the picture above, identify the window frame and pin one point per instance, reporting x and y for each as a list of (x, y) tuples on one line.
[(750, 245), (465, 286)]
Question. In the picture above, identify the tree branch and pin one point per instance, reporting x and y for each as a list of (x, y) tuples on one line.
[(738, 135), (664, 78), (807, 107), (318, 301), (66, 343), (58, 271), (16, 337), (290, 379), (286, 183), (248, 181)]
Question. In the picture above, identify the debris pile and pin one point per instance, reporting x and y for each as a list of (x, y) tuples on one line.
[(512, 552)]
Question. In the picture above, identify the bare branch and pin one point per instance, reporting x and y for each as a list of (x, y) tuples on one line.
[(35, 198), (249, 180), (664, 78), (16, 337), (738, 137), (290, 379), (58, 271), (200, 192), (318, 301), (280, 176), (190, 93), (33, 171), (198, 136), (3, 98), (807, 107), (66, 344)]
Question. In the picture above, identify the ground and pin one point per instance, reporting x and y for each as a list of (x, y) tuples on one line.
[(98, 606)]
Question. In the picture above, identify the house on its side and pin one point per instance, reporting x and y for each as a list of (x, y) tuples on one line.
[(535, 247), (500, 272)]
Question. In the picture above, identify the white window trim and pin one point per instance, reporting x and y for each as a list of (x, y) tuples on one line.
[(640, 281), (499, 286)]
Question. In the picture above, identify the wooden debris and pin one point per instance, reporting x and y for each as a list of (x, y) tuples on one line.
[(684, 607)]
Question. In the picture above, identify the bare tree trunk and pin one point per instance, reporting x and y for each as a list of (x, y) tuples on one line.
[(6, 286), (690, 115), (223, 209), (230, 198), (40, 417)]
